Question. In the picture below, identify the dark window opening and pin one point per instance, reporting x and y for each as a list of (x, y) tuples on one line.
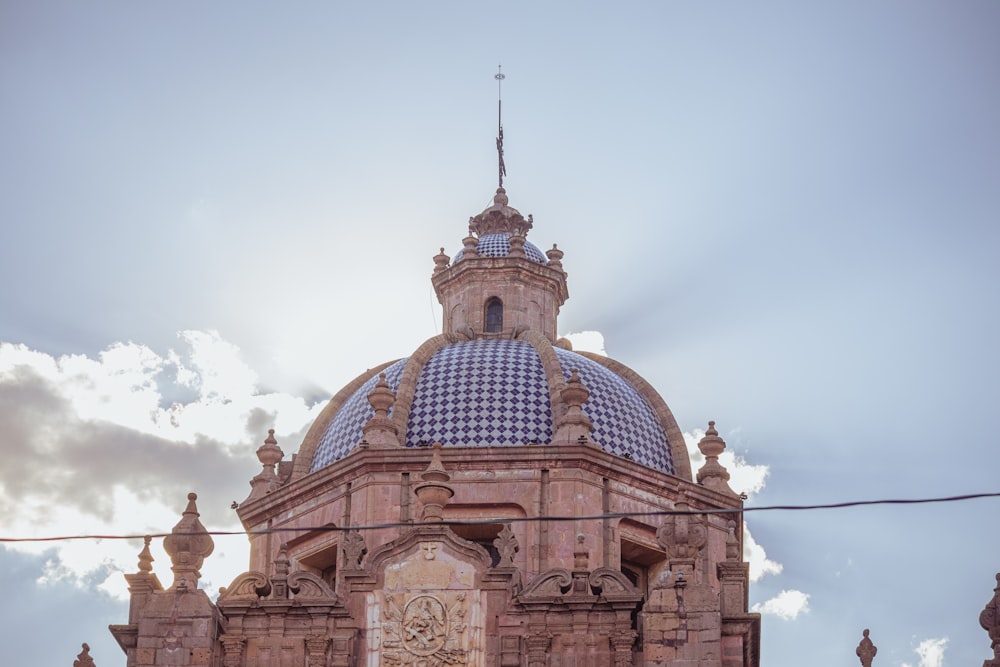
[(494, 315), (482, 534)]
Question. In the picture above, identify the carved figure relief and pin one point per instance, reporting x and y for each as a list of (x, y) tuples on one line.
[(424, 630)]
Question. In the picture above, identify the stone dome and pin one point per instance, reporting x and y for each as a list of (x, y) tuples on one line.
[(502, 393)]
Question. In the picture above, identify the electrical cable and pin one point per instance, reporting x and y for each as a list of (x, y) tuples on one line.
[(476, 522)]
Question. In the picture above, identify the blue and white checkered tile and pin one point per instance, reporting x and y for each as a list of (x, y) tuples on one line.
[(344, 432), (484, 393), (498, 245), (624, 422), (481, 393)]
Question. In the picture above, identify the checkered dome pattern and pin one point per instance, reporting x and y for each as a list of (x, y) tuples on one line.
[(493, 393), (498, 245), (624, 422), (482, 393), (344, 432)]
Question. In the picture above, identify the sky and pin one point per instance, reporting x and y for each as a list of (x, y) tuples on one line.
[(783, 215)]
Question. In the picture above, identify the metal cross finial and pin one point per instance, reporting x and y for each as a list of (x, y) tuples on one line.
[(502, 171)]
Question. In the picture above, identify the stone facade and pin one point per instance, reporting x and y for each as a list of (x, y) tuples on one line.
[(593, 545)]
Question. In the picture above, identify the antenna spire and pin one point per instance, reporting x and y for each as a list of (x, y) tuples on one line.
[(502, 171)]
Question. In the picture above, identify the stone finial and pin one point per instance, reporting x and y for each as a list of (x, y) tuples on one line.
[(269, 455), (990, 620), (83, 659), (470, 244), (866, 650), (573, 425), (713, 475), (145, 557), (555, 256), (506, 545), (380, 432), (188, 544), (434, 492), (441, 261)]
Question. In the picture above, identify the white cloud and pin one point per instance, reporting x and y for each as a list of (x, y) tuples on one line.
[(931, 652), (753, 553), (587, 341), (786, 605), (112, 445)]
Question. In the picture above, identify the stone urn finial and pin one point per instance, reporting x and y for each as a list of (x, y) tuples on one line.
[(573, 425), (188, 545), (441, 261), (555, 256), (434, 492), (380, 431), (269, 454), (713, 475), (83, 659), (866, 650), (145, 557)]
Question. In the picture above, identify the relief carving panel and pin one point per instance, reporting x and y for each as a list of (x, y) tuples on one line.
[(424, 630), (429, 612)]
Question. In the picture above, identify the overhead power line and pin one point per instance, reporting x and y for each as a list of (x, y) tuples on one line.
[(474, 522)]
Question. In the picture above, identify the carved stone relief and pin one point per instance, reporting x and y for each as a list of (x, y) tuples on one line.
[(428, 614), (424, 630)]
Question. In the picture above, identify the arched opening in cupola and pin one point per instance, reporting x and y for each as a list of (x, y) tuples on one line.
[(494, 315)]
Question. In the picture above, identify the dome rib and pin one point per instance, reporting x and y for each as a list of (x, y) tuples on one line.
[(680, 458), (307, 450), (411, 375)]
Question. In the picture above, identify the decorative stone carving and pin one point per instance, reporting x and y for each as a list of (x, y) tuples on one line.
[(506, 545), (83, 659), (537, 644), (611, 583), (682, 535), (732, 542), (500, 219), (470, 242), (269, 455), (145, 557), (434, 492), (306, 585), (354, 549), (555, 257), (621, 646), (247, 586), (553, 582), (232, 650), (573, 425), (713, 475), (424, 629), (316, 646), (990, 620), (188, 545), (441, 261), (380, 431), (866, 650), (279, 580)]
